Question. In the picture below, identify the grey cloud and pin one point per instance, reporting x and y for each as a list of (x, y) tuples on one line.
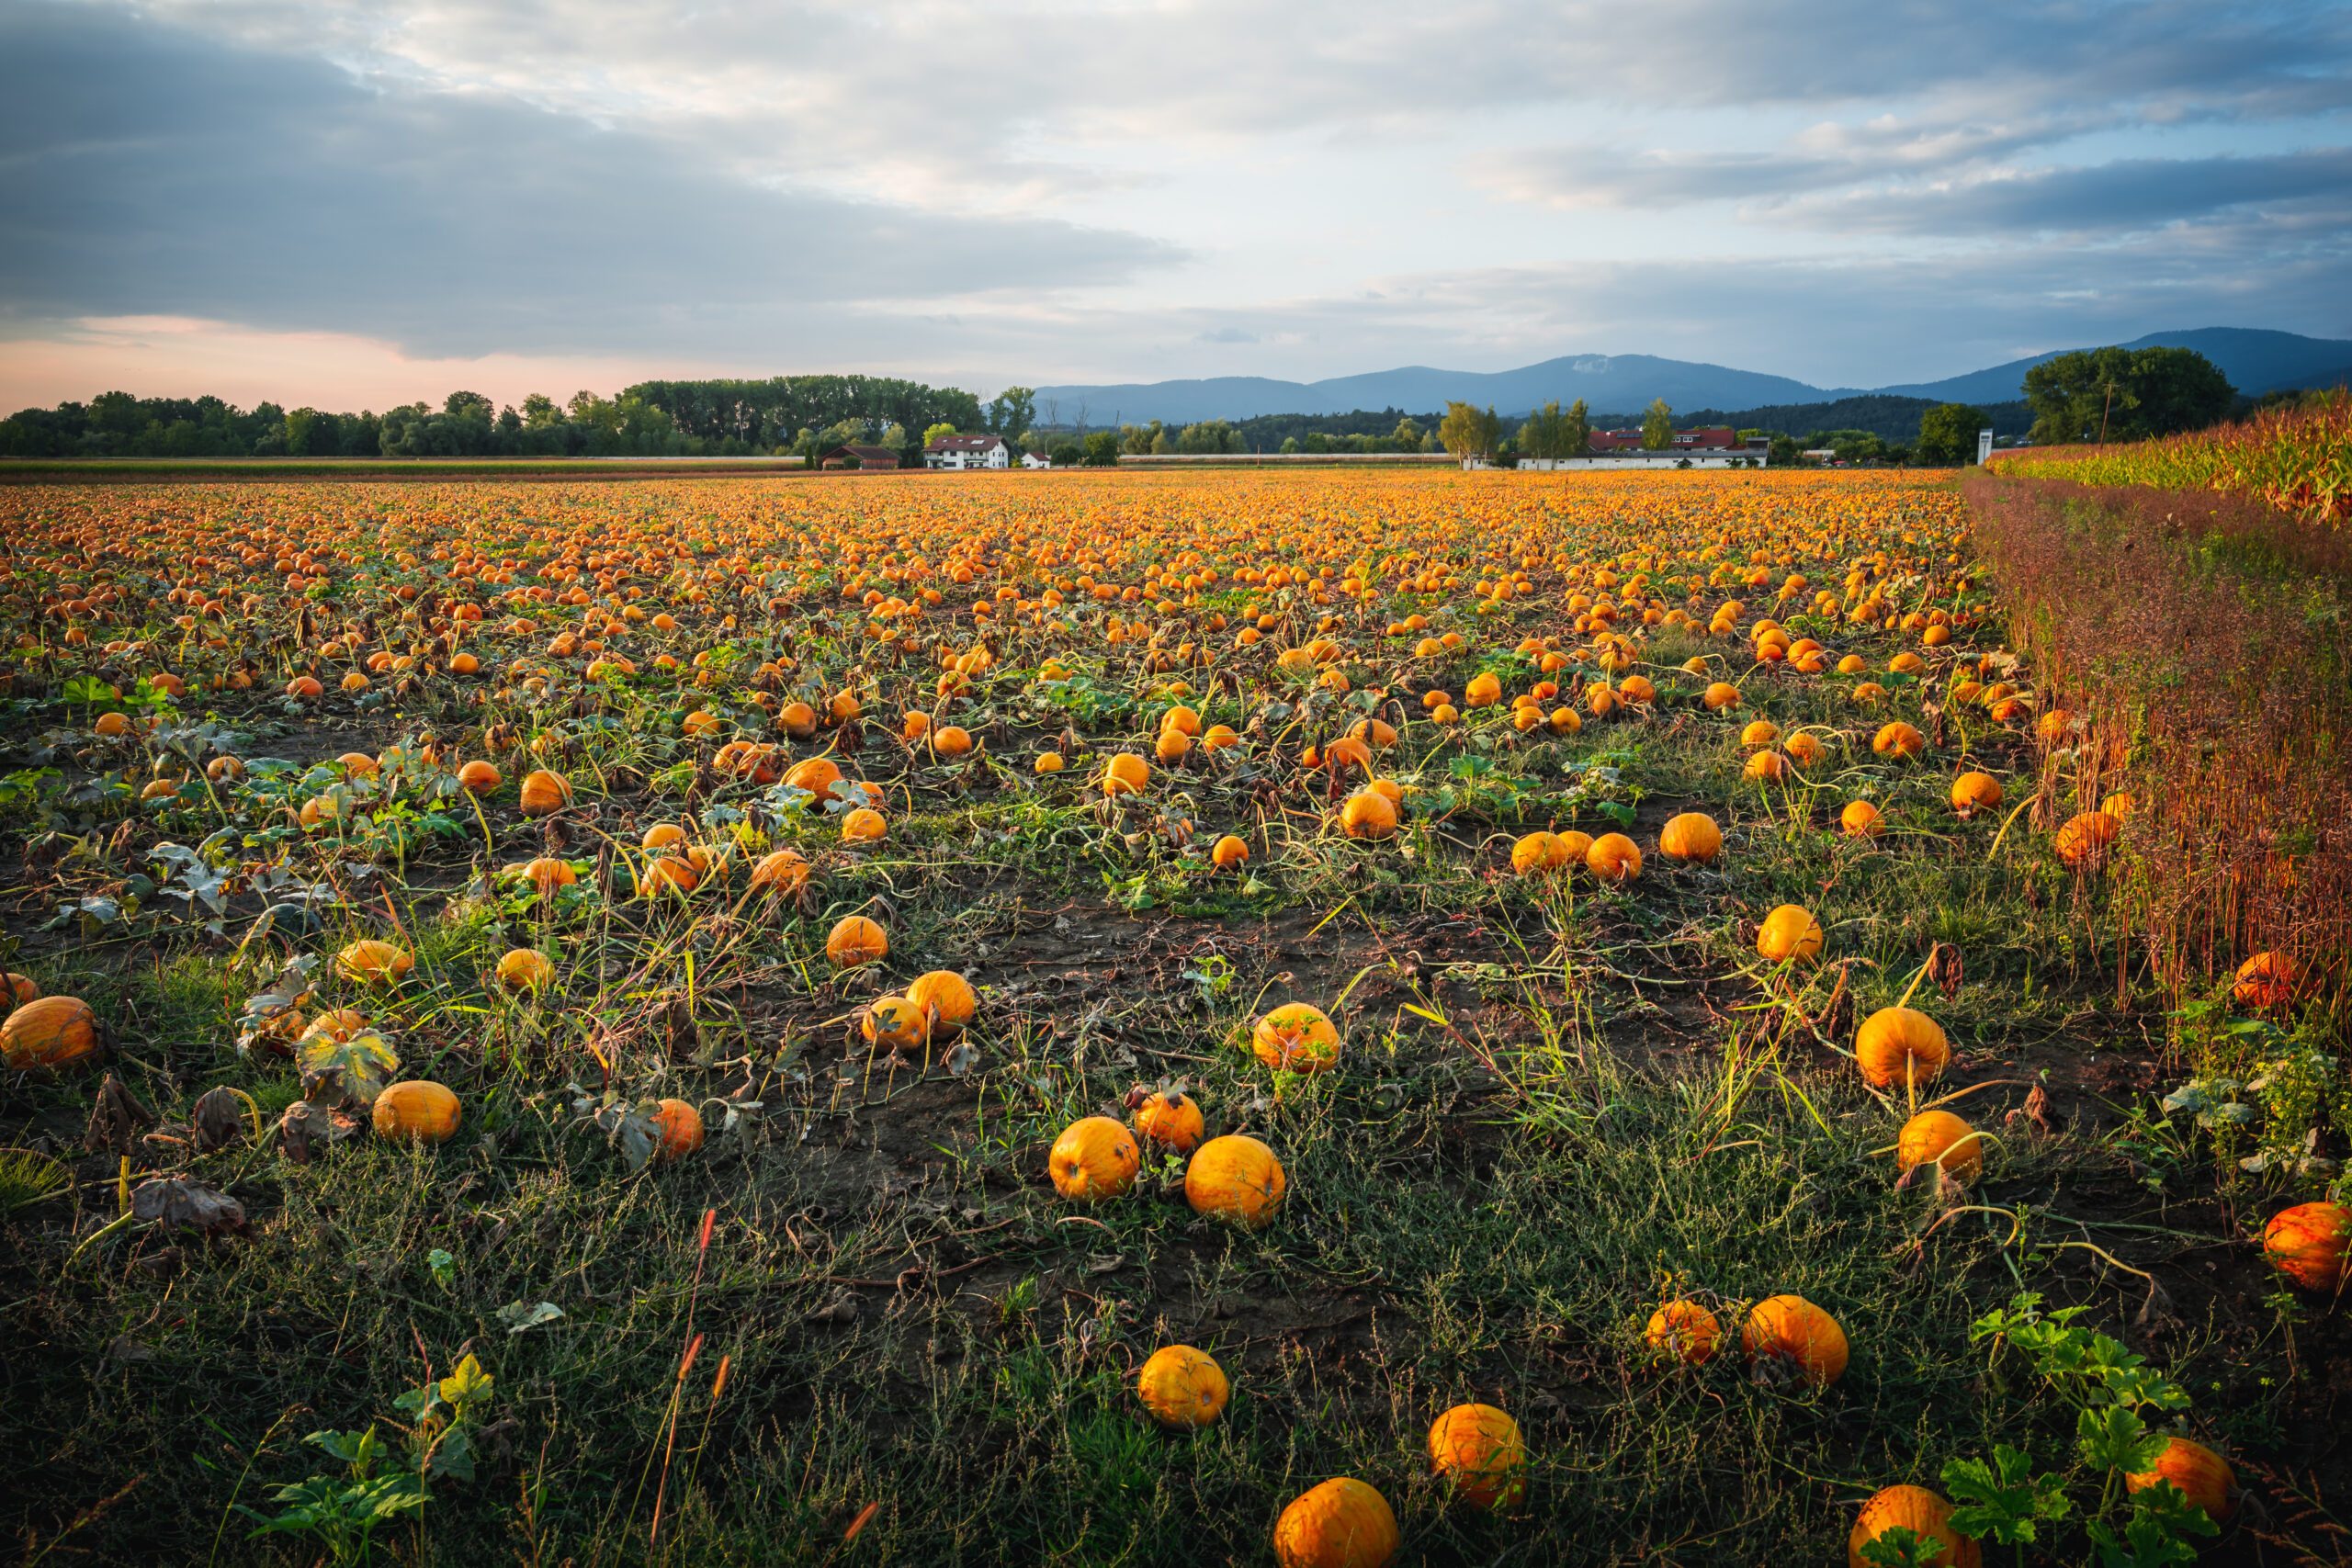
[(145, 171)]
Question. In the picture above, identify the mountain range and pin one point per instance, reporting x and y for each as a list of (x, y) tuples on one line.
[(2256, 361)]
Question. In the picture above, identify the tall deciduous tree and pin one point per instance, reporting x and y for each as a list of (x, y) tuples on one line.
[(1948, 434), (1657, 426), (2119, 394)]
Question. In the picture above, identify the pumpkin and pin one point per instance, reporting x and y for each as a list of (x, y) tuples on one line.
[(2084, 839), (661, 836), (1760, 732), (782, 870), (2265, 980), (1922, 1513), (893, 1021), (1684, 1330), (2202, 1476), (1125, 773), (1789, 931), (1235, 1178), (1296, 1038), (854, 940), (1805, 749), (1900, 1044), (1230, 849), (1094, 1157), (1344, 1523), (666, 873), (1050, 763), (1615, 858), (1693, 835), (2307, 1243), (1171, 747), (818, 775), (525, 967), (50, 1031), (1793, 1332), (548, 873), (1719, 695), (373, 960), (1898, 740), (1479, 1448), (1972, 793), (1766, 767), (1368, 813), (418, 1109), (544, 792), (681, 1129), (1573, 846), (1939, 1137), (951, 741), (1638, 688), (864, 826), (798, 720), (1172, 1118), (1860, 819), (1531, 855), (946, 1002), (21, 990), (1182, 1388)]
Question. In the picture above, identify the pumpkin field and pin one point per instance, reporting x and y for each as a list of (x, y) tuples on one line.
[(1327, 1018)]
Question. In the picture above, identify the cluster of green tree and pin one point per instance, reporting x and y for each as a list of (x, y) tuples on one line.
[(2121, 394), (1892, 418), (735, 416), (1339, 432)]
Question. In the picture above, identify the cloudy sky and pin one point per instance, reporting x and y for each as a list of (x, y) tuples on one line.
[(361, 202)]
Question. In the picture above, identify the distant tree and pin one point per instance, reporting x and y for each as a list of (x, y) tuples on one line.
[(1210, 435), (1014, 409), (1948, 434), (540, 411), (894, 435), (937, 432), (2118, 394), (1784, 452), (1103, 450), (1468, 434), (1407, 435), (1162, 442), (1552, 431), (1576, 439), (1138, 439), (1290, 444), (469, 405), (1064, 454), (1657, 426)]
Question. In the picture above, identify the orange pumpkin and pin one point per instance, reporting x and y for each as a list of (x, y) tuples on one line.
[(1939, 1137), (1684, 1330), (544, 792), (478, 778), (1797, 1334), (2265, 980), (1900, 1044), (1236, 1177), (1973, 792), (1790, 932), (1125, 773), (893, 1021), (50, 1031), (780, 872), (419, 1110), (1859, 819), (1615, 858), (21, 990), (1182, 1388), (818, 775), (1481, 1450), (525, 968), (2084, 839), (373, 960), (1691, 837), (2308, 1243), (1230, 849), (1368, 813), (1296, 1038), (947, 1000), (2202, 1476), (1343, 1523), (1094, 1157), (681, 1129), (1898, 740), (864, 826), (854, 940), (1172, 1118), (1922, 1513)]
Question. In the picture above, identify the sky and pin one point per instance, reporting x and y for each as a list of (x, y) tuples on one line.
[(361, 203)]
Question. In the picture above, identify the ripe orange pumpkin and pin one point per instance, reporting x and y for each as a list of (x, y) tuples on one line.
[(854, 940), (370, 959), (1297, 1037), (1860, 819), (1684, 1330), (479, 777), (1898, 740), (1615, 858), (1125, 773), (2202, 1476), (1939, 1137), (1691, 837), (782, 870), (1900, 1044), (1230, 849), (1237, 1178), (818, 775), (525, 968), (2265, 980), (1182, 1388), (1760, 732), (1921, 1512), (1343, 1523), (1790, 932), (50, 1031), (681, 1127), (419, 1110), (893, 1021), (1974, 792), (1531, 855), (1172, 1118), (21, 990), (1094, 1157), (544, 792), (2084, 839), (1795, 1331), (2308, 1243), (1481, 1449), (946, 1002), (1368, 813), (864, 826)]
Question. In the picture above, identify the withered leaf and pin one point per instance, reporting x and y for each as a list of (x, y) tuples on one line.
[(309, 1126), (218, 1120), (116, 1119), (177, 1200)]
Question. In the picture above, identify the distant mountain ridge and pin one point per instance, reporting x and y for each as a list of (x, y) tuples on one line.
[(2255, 360)]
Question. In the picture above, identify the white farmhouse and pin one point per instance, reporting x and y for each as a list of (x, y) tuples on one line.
[(968, 452)]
